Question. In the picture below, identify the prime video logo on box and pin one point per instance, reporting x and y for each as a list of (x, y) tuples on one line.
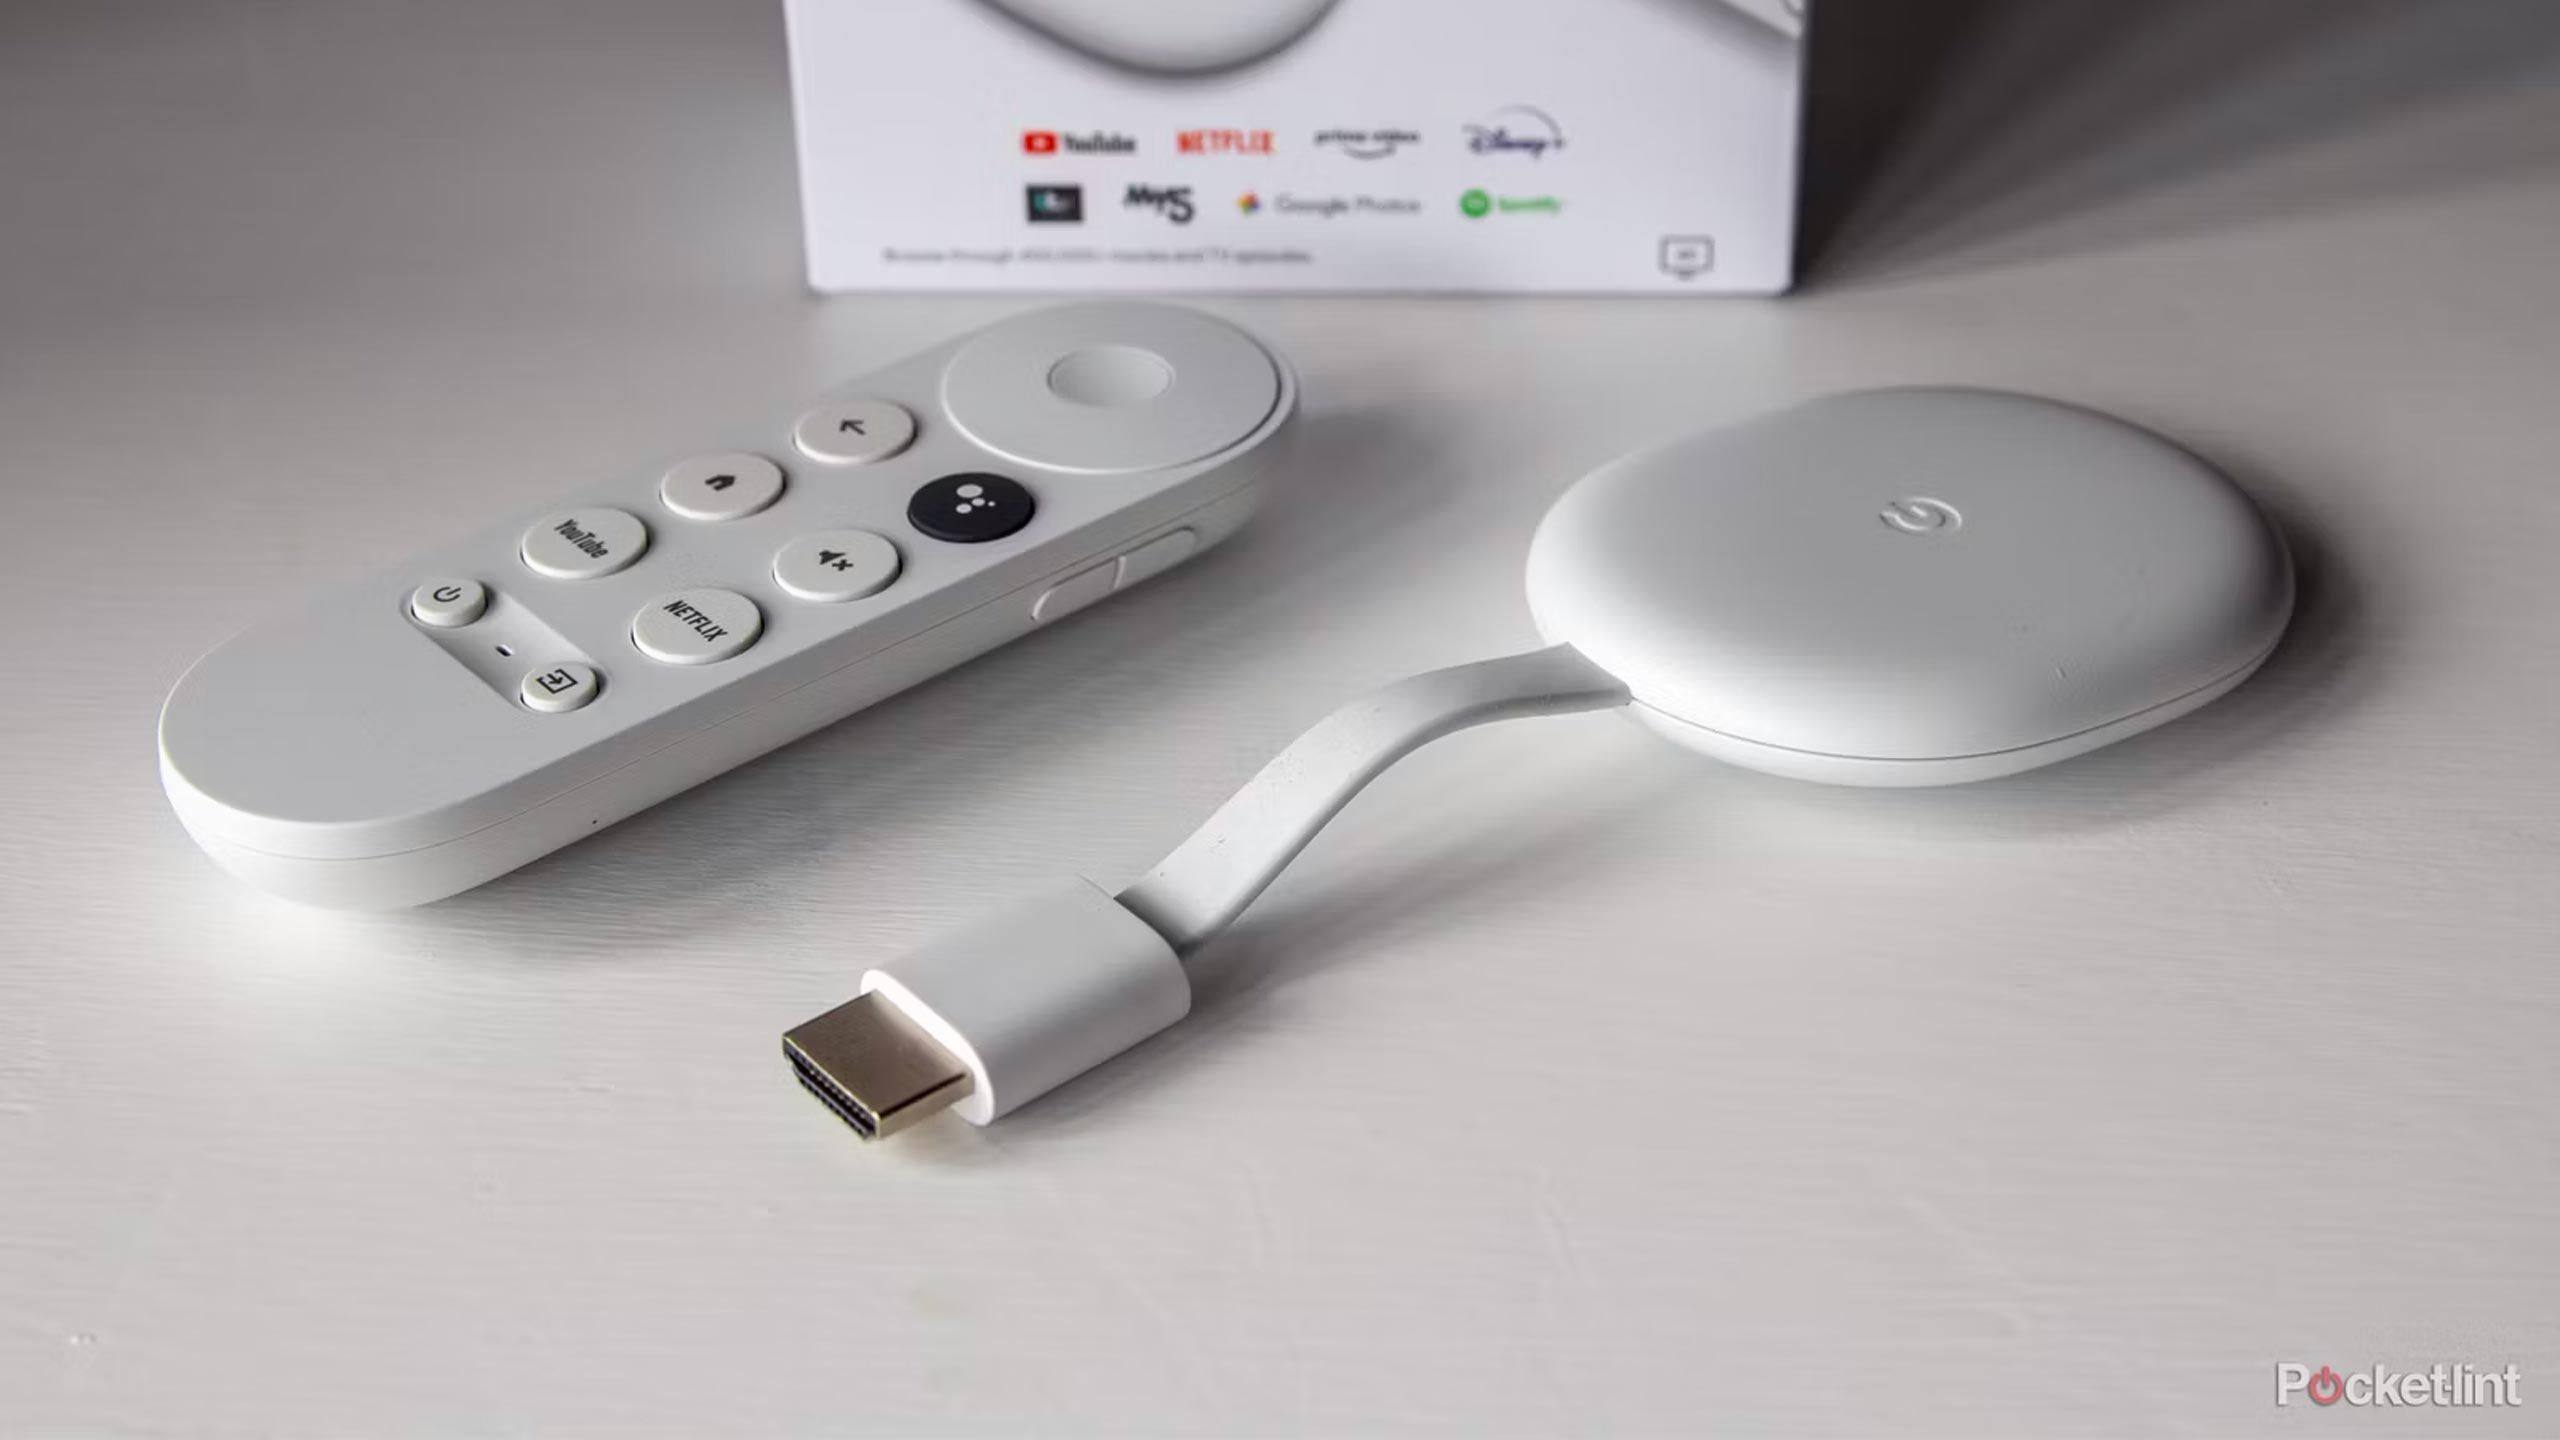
[(2448, 1386), (1367, 144)]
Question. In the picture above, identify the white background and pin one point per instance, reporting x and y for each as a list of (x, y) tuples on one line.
[(1570, 1085)]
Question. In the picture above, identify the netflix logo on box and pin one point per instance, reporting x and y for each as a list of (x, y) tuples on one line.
[(1223, 142)]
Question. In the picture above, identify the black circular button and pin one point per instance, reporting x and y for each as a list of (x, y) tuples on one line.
[(970, 509)]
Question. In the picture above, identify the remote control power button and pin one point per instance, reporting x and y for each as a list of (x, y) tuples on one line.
[(720, 487), (854, 432), (834, 566), (971, 508), (447, 604), (559, 689), (583, 544), (696, 627)]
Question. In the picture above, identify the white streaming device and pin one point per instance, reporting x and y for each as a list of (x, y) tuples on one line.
[(1911, 587), (1171, 38), (411, 734), (1176, 39), (1895, 587)]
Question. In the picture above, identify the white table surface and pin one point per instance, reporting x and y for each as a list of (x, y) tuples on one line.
[(1570, 1084)]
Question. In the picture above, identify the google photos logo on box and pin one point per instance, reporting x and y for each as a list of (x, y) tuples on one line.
[(1248, 202)]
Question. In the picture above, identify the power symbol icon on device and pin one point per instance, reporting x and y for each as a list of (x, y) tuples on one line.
[(1920, 515)]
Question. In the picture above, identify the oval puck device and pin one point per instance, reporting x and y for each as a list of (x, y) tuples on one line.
[(1912, 587)]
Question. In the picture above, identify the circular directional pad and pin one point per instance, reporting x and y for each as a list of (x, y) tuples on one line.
[(970, 508), (1110, 388)]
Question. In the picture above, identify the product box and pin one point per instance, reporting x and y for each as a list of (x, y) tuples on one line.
[(1311, 145)]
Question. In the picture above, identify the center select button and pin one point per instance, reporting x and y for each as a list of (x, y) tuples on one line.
[(1108, 375), (696, 627), (584, 544)]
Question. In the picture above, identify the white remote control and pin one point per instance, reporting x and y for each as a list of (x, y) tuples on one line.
[(411, 735)]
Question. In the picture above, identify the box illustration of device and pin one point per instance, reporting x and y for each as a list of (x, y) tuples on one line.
[(1313, 145)]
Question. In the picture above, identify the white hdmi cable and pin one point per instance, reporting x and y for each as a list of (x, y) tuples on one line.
[(1209, 879), (1004, 1009)]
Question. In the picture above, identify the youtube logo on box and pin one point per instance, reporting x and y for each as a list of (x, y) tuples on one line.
[(1091, 142)]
